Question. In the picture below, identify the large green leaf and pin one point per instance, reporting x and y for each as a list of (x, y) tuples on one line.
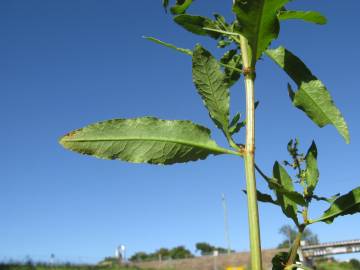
[(196, 25), (308, 16), (144, 140), (289, 207), (210, 83), (291, 64), (312, 97), (312, 172), (347, 204), (258, 22)]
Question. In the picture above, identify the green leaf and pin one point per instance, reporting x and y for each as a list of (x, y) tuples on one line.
[(169, 45), (329, 200), (294, 196), (312, 97), (233, 65), (263, 197), (347, 204), (144, 140), (312, 172), (307, 16), (236, 124), (258, 23), (220, 19), (235, 119), (223, 43), (279, 260), (266, 198), (291, 64), (181, 6), (275, 185), (237, 127), (209, 81), (196, 25), (289, 207), (199, 25)]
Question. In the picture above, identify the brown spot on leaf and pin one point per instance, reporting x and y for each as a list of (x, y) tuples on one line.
[(70, 134)]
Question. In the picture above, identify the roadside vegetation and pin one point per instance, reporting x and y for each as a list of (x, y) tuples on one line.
[(179, 252), (66, 266), (324, 264), (353, 264)]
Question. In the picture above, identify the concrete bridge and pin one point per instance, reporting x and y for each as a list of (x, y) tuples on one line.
[(309, 253), (331, 248)]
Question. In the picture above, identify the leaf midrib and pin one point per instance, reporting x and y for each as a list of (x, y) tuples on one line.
[(219, 150), (258, 24), (325, 217), (319, 107), (216, 101)]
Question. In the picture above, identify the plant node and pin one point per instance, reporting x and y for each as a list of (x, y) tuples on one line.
[(249, 72)]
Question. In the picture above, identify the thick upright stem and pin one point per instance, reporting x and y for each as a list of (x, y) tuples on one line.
[(253, 213)]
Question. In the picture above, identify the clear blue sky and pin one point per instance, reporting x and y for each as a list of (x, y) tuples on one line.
[(65, 64)]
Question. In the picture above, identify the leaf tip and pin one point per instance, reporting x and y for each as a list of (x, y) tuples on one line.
[(276, 164), (198, 46), (344, 131), (347, 138), (313, 149), (323, 20), (64, 139), (291, 92)]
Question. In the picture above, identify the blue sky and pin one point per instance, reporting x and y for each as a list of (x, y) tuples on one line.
[(65, 64)]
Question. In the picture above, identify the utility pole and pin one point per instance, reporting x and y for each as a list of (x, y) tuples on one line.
[(226, 225)]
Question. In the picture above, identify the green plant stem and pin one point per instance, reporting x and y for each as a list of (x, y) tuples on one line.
[(253, 213), (295, 246), (261, 172)]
